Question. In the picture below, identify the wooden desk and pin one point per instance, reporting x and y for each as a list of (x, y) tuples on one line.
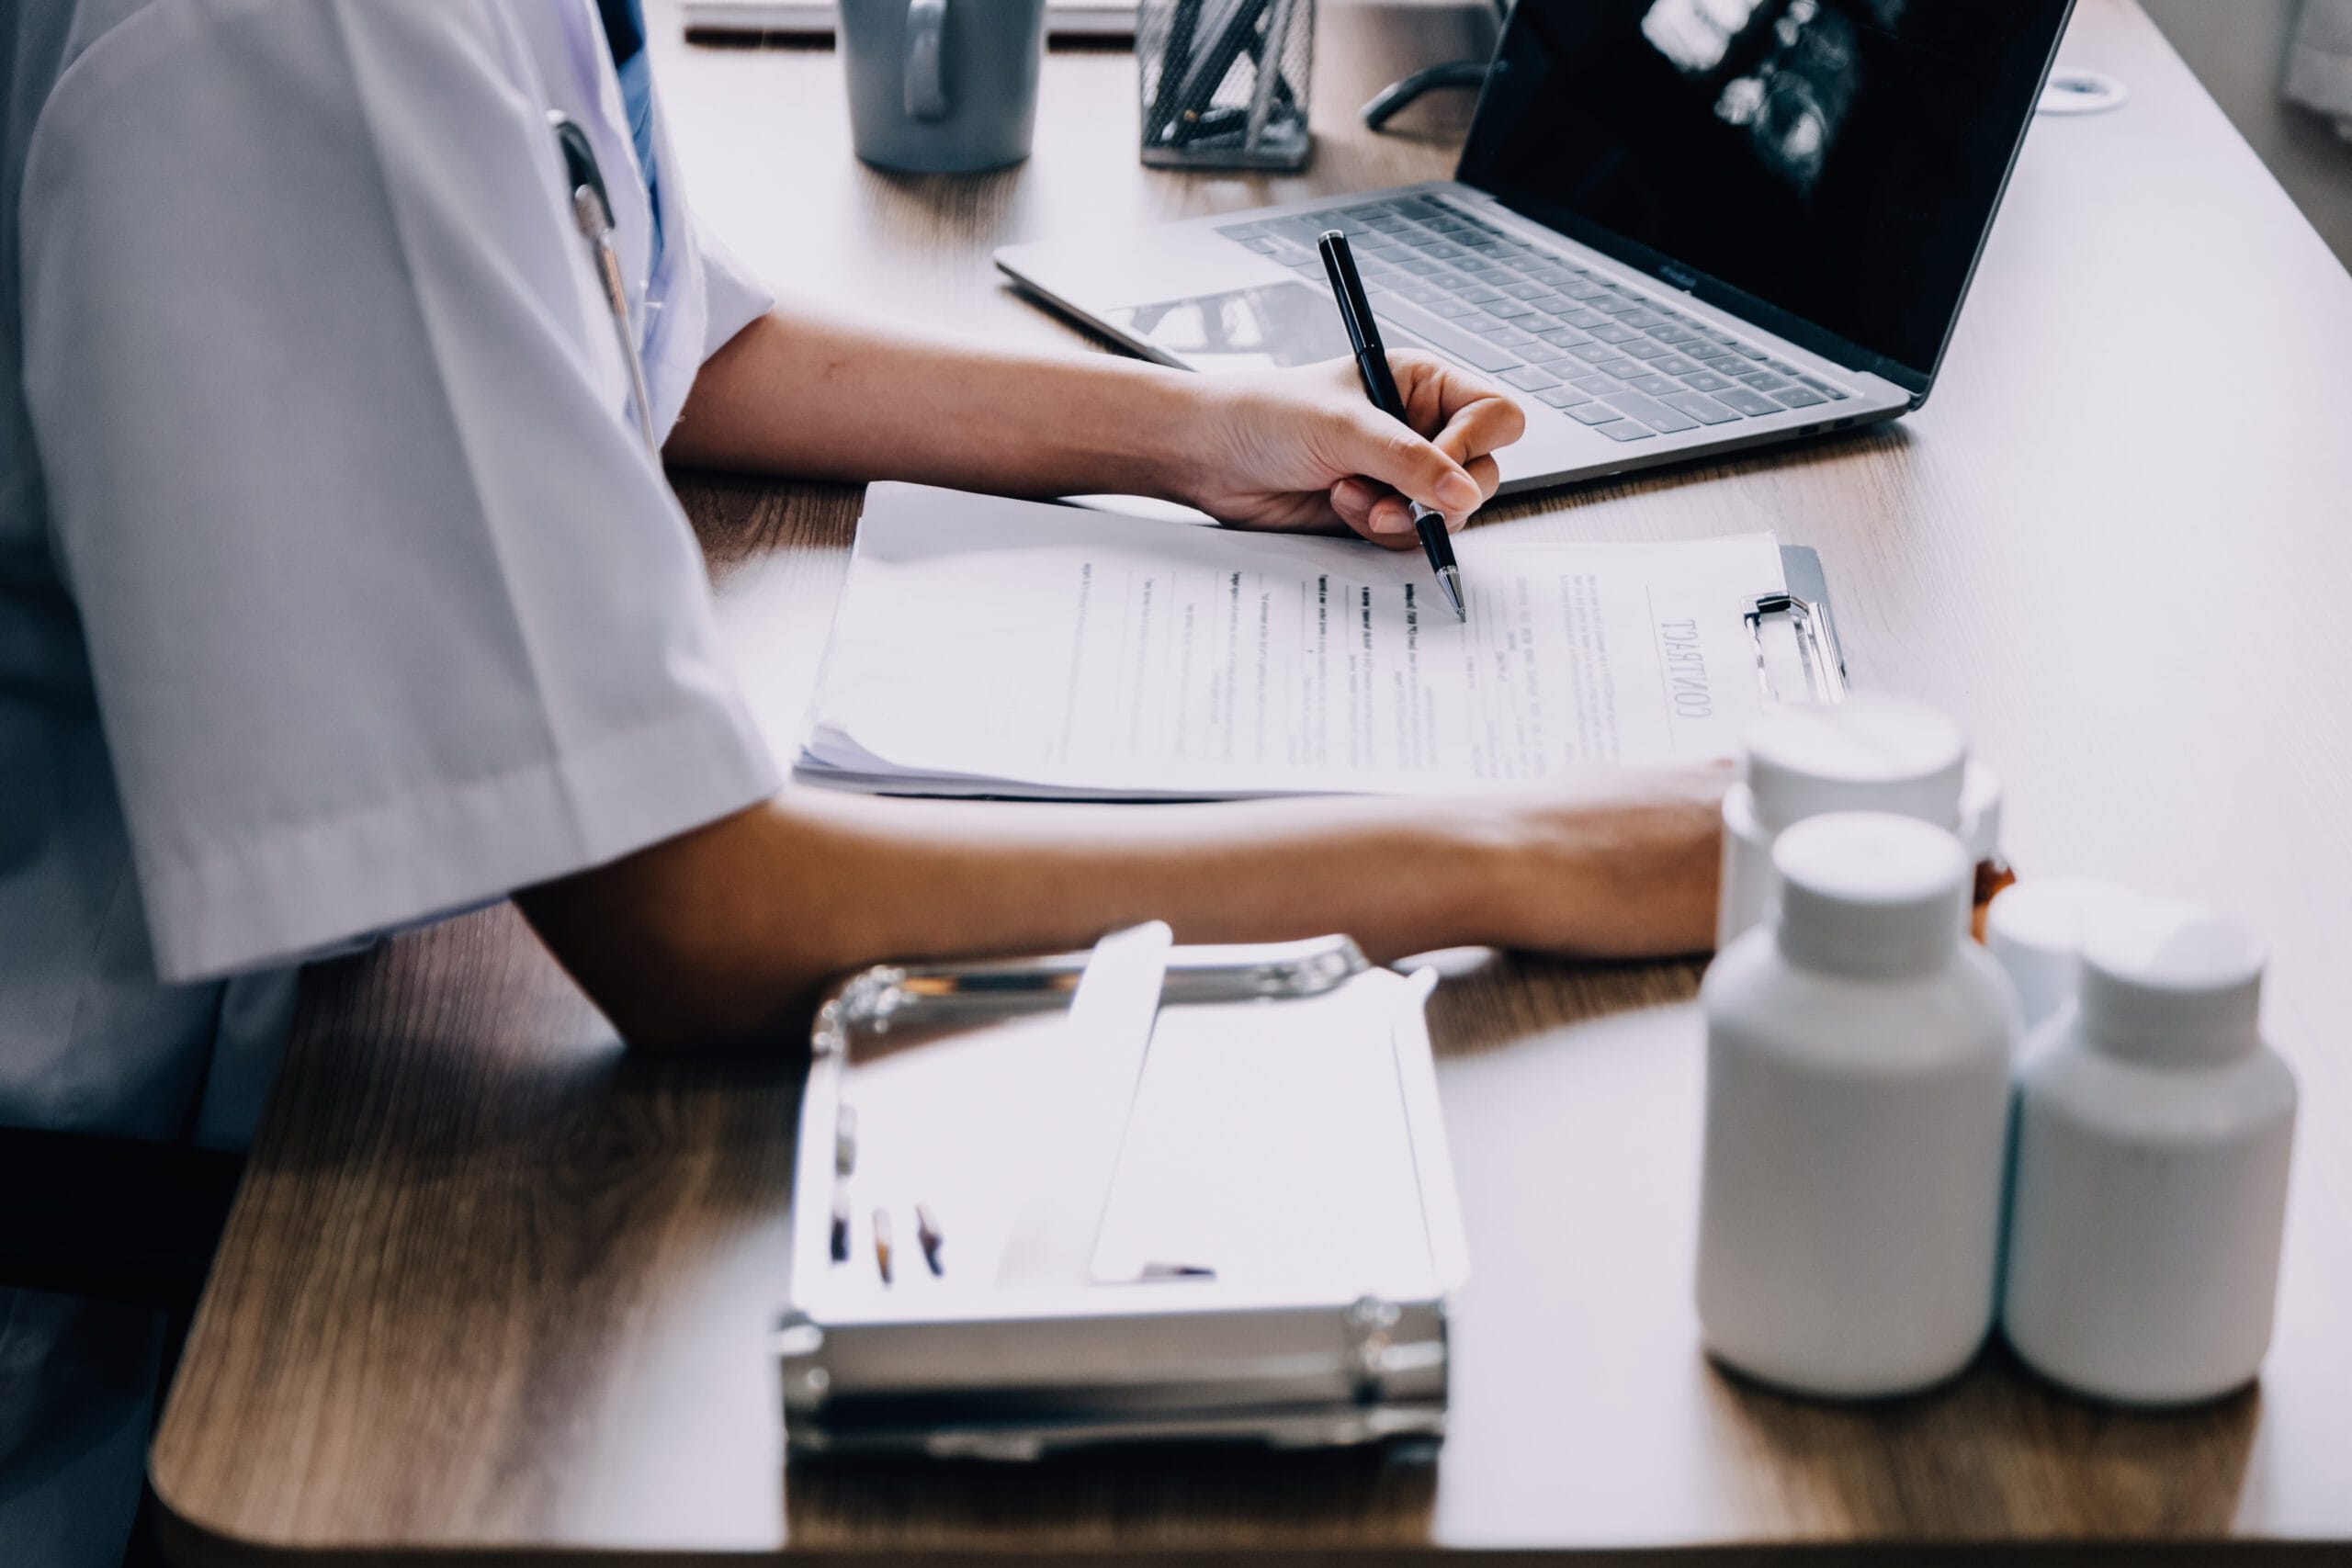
[(493, 1288)]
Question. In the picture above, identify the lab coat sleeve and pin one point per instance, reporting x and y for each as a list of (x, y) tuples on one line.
[(736, 298), (388, 611)]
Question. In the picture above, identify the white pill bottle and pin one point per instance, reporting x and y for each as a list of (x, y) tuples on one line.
[(1871, 752), (2035, 928), (2154, 1133), (1857, 1117)]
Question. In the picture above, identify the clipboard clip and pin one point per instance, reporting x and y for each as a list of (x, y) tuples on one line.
[(871, 1000), (1816, 639)]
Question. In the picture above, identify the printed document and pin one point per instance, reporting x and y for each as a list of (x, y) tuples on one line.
[(1009, 648)]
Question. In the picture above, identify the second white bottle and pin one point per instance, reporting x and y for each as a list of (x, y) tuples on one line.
[(1857, 1117)]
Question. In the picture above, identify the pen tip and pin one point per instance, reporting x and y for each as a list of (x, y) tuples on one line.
[(1450, 578)]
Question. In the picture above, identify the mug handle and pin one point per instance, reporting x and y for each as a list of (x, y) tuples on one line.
[(927, 60)]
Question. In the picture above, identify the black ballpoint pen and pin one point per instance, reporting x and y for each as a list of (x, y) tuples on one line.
[(1371, 364)]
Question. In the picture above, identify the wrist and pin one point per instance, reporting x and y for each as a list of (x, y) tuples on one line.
[(1176, 426)]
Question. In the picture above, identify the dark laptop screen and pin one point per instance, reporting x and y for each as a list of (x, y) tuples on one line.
[(1839, 160)]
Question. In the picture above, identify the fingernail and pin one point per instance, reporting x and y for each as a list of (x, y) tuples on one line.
[(1459, 493), (1353, 492), (1390, 518)]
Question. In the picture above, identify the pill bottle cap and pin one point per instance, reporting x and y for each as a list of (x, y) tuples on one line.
[(1868, 893), (2172, 981), (2035, 928), (1871, 752)]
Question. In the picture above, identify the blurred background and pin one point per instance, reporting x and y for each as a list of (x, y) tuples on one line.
[(2282, 71)]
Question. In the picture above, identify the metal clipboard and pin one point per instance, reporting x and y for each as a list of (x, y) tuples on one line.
[(1795, 635), (1258, 1248)]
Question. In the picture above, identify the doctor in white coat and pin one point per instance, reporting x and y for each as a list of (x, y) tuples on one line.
[(338, 593)]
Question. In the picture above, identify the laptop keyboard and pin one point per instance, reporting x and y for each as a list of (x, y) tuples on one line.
[(1626, 363)]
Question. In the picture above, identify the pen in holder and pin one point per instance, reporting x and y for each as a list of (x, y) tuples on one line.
[(1224, 83)]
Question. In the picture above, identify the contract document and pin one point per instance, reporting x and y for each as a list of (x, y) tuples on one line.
[(1009, 648)]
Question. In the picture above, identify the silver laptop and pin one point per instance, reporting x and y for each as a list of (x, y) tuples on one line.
[(1679, 227)]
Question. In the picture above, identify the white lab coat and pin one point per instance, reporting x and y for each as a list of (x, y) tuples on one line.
[(336, 589)]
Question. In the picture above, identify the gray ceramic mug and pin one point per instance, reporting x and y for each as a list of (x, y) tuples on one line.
[(941, 87)]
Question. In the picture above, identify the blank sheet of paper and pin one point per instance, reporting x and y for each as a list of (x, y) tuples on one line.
[(986, 646)]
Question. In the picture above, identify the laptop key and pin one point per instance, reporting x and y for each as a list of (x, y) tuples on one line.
[(1563, 337), (1594, 353), (1480, 295), (1798, 396), (1650, 412), (1674, 364), (1610, 332), (1529, 291), (1654, 384), (1583, 318), (1594, 382), (1592, 414), (1641, 348), (1563, 397), (1708, 382), (1449, 339), (1511, 310), (1625, 369), (1702, 408), (1623, 430), (1527, 379), (1753, 404), (1455, 308)]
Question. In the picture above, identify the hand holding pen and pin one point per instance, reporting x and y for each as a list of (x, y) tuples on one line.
[(1380, 385)]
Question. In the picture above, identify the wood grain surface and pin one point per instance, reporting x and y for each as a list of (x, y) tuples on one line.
[(495, 1288)]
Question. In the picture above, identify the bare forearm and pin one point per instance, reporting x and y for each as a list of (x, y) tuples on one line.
[(723, 932), (726, 933), (809, 391)]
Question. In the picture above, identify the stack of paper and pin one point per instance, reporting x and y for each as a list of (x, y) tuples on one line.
[(1006, 648)]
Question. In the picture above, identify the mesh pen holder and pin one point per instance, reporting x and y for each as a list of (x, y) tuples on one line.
[(1224, 83)]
